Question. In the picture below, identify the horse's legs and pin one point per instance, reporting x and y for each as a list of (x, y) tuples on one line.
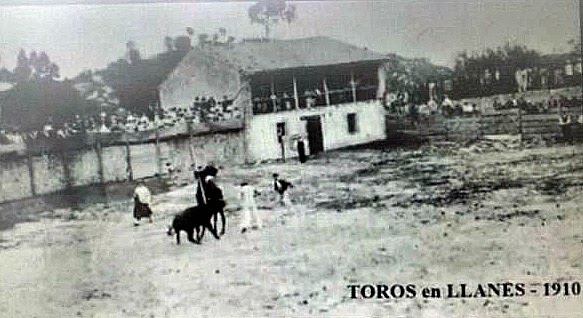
[(224, 221), (190, 236), (215, 219), (213, 230)]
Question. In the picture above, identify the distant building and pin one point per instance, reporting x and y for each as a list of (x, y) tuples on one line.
[(322, 89), (553, 71)]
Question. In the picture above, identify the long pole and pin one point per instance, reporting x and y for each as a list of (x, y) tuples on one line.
[(296, 98), (581, 47), (581, 43)]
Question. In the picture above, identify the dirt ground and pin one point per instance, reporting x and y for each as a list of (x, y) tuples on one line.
[(483, 213)]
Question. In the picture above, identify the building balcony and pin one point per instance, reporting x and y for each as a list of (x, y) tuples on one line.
[(313, 99)]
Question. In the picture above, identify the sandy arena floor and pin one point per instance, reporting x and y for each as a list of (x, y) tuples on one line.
[(429, 217)]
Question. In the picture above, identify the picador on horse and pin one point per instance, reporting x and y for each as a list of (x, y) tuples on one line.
[(209, 195)]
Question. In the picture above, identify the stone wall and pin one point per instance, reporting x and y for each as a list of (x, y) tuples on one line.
[(23, 176)]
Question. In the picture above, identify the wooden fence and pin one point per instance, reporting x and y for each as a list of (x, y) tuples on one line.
[(507, 122)]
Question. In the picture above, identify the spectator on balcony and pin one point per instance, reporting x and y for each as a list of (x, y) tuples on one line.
[(309, 99), (287, 100), (273, 101)]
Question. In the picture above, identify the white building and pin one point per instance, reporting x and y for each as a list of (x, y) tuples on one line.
[(325, 90)]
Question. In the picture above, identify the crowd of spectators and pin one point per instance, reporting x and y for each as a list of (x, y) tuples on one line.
[(203, 110), (446, 107), (449, 108), (538, 107)]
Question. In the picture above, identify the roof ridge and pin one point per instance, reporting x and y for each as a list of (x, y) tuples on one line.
[(312, 51)]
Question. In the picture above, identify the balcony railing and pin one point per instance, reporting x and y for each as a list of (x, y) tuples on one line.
[(285, 102)]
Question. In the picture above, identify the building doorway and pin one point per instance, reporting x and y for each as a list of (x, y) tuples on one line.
[(315, 137)]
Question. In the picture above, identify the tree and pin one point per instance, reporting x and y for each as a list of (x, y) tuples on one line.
[(182, 43), (34, 67), (133, 55), (574, 46), (190, 31), (43, 67), (268, 12), (22, 70), (136, 85), (169, 43), (492, 71), (6, 75), (202, 39), (28, 104)]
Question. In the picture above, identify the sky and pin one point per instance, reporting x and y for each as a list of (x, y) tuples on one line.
[(89, 36)]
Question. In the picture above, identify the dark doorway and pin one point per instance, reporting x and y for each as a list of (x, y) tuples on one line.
[(315, 138)]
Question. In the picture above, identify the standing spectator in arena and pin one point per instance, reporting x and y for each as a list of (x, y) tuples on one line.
[(414, 113), (142, 201), (249, 206), (579, 128), (281, 186), (301, 149), (565, 124)]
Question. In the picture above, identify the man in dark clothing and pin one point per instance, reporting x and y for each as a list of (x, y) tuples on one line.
[(281, 186), (565, 124), (142, 202), (209, 194), (301, 150), (200, 175)]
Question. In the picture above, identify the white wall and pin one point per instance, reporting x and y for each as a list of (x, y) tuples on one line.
[(199, 74), (262, 135)]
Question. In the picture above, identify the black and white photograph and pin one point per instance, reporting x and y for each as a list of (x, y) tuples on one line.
[(275, 158)]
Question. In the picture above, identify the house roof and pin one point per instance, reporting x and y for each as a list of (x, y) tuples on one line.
[(558, 60), (254, 57)]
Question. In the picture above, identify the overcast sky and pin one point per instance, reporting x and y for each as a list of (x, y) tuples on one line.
[(83, 36)]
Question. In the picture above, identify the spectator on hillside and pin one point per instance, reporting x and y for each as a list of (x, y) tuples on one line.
[(104, 129), (447, 107), (48, 129), (497, 105), (432, 106)]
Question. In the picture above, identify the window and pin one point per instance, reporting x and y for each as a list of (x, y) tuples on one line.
[(352, 126), (280, 132)]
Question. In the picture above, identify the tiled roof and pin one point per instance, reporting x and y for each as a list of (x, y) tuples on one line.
[(253, 57)]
